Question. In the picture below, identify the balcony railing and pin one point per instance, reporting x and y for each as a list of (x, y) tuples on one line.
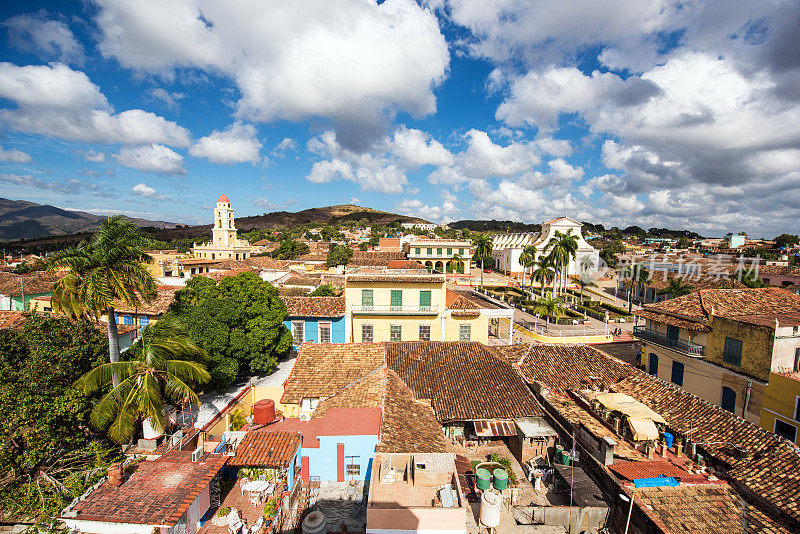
[(661, 339), (396, 310)]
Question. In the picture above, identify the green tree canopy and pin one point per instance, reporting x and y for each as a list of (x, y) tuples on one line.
[(239, 322), (325, 290), (338, 255), (289, 250), (48, 456), (786, 240)]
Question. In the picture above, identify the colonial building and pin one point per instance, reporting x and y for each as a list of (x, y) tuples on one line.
[(436, 254), (224, 243), (412, 305), (730, 347), (507, 248)]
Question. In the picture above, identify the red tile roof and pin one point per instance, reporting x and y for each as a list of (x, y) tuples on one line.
[(336, 422), (11, 320), (158, 493), (405, 264), (314, 306), (266, 448), (463, 380), (31, 283), (158, 306)]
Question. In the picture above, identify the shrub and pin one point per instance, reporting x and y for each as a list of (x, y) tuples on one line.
[(237, 420), (224, 511)]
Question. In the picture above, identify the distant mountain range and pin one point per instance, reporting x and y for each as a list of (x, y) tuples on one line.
[(20, 219)]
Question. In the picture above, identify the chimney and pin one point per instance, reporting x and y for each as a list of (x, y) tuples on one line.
[(115, 474), (678, 447)]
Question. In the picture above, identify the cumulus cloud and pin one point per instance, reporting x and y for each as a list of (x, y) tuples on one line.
[(144, 190), (442, 213), (57, 101), (151, 158), (169, 99), (235, 144), (14, 156), (94, 157), (416, 148), (354, 63), (49, 39), (70, 186)]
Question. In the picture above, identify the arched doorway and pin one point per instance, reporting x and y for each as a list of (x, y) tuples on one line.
[(439, 267)]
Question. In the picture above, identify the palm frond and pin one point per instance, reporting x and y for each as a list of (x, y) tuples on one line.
[(102, 375)]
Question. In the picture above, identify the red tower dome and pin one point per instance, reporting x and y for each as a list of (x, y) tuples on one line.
[(223, 198)]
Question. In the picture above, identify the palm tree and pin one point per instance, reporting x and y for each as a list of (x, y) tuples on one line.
[(676, 288), (548, 306), (634, 276), (165, 365), (563, 247), (483, 248), (583, 282), (456, 263), (526, 259), (108, 267), (543, 273)]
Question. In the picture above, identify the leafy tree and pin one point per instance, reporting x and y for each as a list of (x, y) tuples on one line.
[(338, 255), (633, 276), (548, 306), (749, 278), (48, 457), (108, 267), (684, 242), (166, 364), (609, 251), (583, 282), (239, 322), (676, 288), (456, 264), (363, 247), (325, 290), (289, 250), (26, 267), (786, 240), (527, 260), (483, 249)]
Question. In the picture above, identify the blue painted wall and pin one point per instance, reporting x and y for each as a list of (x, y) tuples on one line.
[(322, 461), (295, 463), (312, 328)]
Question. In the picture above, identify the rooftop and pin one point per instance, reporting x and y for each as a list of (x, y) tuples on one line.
[(164, 297), (11, 320), (266, 448), (31, 283), (314, 306), (158, 493)]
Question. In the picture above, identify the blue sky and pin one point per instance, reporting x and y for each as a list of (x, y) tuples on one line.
[(682, 114)]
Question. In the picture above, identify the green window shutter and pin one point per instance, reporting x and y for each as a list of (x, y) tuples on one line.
[(397, 298), (438, 252), (430, 251), (424, 299), (366, 297), (418, 251), (449, 251), (461, 252)]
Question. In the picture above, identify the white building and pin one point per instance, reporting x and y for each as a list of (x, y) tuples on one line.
[(507, 248), (224, 243), (429, 227)]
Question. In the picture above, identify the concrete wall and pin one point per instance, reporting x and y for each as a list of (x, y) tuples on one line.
[(312, 328), (479, 328), (780, 401), (756, 341), (416, 520), (577, 519)]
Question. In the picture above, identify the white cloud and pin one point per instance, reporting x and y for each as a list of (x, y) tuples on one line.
[(445, 212), (353, 62), (50, 39), (14, 156), (171, 100), (70, 186), (416, 148), (236, 144), (94, 157), (485, 159), (144, 190), (60, 102), (328, 171), (287, 144), (151, 158)]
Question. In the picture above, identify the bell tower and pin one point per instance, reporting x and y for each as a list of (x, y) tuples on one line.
[(224, 233)]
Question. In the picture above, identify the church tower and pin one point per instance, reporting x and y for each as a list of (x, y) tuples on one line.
[(224, 233)]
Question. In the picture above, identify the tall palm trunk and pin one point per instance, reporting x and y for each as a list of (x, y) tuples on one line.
[(113, 343), (481, 272)]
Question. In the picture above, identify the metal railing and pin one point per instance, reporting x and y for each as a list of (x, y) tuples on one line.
[(661, 339), (396, 310)]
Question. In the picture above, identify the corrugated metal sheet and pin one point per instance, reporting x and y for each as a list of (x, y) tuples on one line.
[(491, 428)]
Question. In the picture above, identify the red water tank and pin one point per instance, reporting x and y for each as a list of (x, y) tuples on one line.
[(264, 412), (115, 474)]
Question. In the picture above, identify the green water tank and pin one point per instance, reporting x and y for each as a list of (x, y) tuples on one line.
[(484, 478), (500, 479)]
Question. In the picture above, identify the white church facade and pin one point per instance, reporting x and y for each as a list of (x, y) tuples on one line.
[(224, 244), (507, 248)]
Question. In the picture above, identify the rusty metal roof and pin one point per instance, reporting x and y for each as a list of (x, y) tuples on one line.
[(493, 427)]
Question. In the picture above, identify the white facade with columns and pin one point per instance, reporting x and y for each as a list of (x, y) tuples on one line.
[(507, 248)]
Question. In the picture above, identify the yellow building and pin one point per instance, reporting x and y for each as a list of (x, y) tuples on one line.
[(437, 253), (409, 305), (781, 411), (224, 243), (725, 346)]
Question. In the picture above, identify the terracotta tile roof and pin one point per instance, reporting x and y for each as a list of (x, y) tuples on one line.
[(336, 422), (779, 270), (696, 326), (312, 256), (375, 259), (563, 367), (219, 275), (764, 302), (266, 448), (32, 283), (773, 470), (463, 380), (658, 281), (11, 320), (265, 262), (158, 493), (405, 264), (366, 392), (195, 261), (314, 306), (711, 508), (408, 425), (400, 278), (231, 264), (322, 370), (164, 297), (457, 300), (303, 280)]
